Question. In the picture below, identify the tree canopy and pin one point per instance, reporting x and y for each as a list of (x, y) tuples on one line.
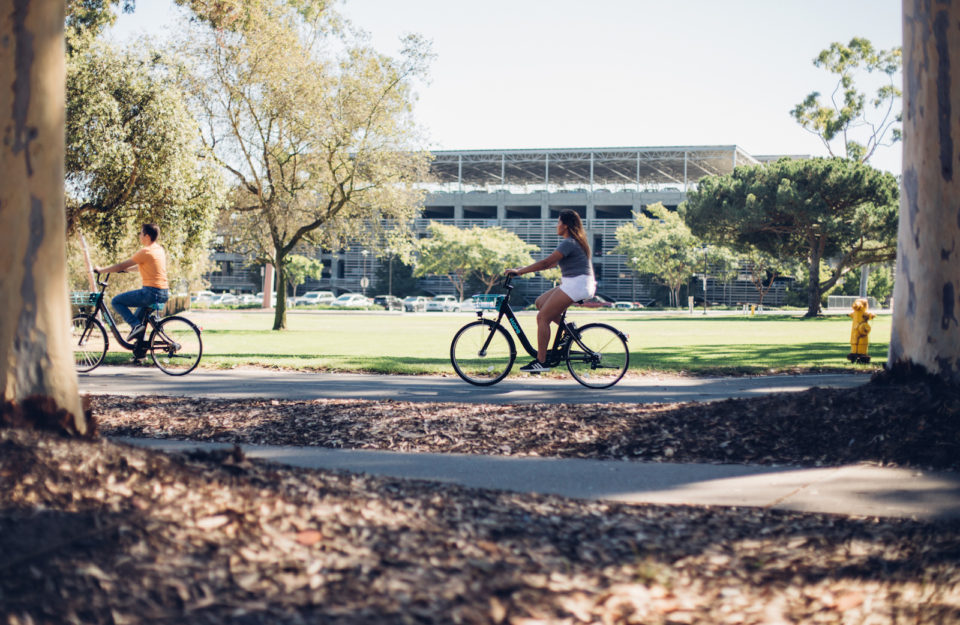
[(484, 253), (813, 210), (299, 268), (312, 125), (661, 245), (133, 155), (861, 129)]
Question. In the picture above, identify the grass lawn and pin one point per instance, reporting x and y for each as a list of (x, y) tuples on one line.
[(420, 343)]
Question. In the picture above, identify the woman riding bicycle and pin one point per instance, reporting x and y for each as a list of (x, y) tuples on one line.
[(577, 282)]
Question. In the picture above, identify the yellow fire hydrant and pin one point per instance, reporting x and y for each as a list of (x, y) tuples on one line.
[(859, 334)]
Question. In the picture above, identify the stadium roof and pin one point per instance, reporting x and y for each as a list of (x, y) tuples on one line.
[(587, 166)]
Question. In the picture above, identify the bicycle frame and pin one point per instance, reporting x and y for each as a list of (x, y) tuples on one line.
[(506, 311), (101, 307)]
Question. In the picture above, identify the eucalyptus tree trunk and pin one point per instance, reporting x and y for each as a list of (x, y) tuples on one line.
[(926, 328), (36, 364)]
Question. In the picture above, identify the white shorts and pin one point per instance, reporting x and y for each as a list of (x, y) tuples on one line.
[(578, 287)]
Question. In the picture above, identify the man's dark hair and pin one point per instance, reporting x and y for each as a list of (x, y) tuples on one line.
[(151, 230)]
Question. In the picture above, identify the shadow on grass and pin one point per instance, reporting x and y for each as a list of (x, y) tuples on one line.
[(709, 359)]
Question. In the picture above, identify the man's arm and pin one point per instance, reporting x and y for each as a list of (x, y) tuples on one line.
[(118, 268)]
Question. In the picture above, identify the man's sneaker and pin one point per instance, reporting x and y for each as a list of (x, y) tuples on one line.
[(137, 329), (535, 366)]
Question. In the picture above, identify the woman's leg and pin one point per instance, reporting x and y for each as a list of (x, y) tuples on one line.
[(553, 303)]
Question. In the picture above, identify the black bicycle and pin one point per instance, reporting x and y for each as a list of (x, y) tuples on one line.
[(482, 352), (174, 343)]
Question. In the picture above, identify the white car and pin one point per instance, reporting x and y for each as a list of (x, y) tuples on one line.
[(202, 296), (259, 298), (443, 303), (352, 300), (316, 298)]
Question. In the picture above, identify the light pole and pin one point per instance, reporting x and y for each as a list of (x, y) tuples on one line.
[(633, 278), (363, 279), (704, 248)]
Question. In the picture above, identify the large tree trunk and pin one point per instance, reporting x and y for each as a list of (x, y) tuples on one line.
[(813, 288), (926, 329), (36, 362)]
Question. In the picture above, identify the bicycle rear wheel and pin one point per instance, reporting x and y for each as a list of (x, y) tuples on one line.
[(476, 364), (604, 361), (176, 346), (89, 340)]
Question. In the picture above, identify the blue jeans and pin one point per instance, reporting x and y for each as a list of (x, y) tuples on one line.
[(143, 298)]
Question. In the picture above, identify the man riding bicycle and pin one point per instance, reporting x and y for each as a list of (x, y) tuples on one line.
[(151, 260)]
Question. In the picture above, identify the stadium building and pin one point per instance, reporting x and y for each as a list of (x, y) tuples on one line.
[(523, 191)]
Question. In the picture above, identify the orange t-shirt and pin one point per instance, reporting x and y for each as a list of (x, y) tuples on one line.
[(152, 263)]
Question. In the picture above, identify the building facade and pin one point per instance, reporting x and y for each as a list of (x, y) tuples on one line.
[(523, 191)]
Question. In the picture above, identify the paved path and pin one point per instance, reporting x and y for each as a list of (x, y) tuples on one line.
[(857, 490), (249, 383), (850, 490)]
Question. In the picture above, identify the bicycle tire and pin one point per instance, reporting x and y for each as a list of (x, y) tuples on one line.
[(607, 361), (490, 367), (176, 346), (90, 342)]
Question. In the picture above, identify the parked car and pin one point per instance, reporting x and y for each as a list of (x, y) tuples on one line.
[(259, 297), (443, 303), (249, 298), (597, 302), (389, 302), (202, 296), (352, 300), (415, 303), (625, 305), (316, 298)]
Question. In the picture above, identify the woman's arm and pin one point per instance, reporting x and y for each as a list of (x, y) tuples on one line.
[(540, 265)]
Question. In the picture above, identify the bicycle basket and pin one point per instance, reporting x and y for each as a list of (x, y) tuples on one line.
[(83, 298), (487, 302)]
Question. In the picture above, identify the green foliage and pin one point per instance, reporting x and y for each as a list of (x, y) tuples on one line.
[(313, 126), (662, 246), (805, 211), (846, 115), (298, 268), (483, 253), (396, 277), (86, 19), (879, 283), (132, 156)]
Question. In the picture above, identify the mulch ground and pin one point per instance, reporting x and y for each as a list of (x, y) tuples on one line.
[(908, 425), (95, 532)]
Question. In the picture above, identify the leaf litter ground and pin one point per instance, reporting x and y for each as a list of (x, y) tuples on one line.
[(95, 532)]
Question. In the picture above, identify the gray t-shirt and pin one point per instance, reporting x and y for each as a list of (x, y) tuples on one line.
[(575, 262)]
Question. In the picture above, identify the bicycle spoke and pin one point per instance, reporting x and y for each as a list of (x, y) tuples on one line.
[(176, 346), (599, 358), (482, 353)]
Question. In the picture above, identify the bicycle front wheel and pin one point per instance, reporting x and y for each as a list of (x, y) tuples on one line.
[(605, 359), (482, 352), (89, 340), (175, 346)]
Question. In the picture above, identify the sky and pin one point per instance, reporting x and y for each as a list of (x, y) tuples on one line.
[(537, 74)]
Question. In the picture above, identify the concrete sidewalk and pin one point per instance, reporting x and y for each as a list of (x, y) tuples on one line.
[(849, 490), (245, 383)]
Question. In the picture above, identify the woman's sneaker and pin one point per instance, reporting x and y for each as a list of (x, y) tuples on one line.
[(535, 366)]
